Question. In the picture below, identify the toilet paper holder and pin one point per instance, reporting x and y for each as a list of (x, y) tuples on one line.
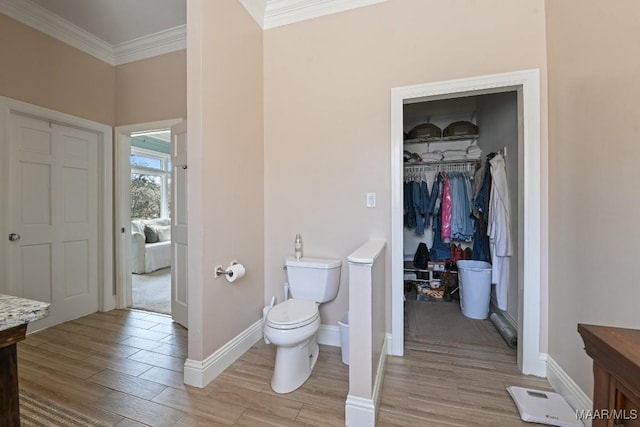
[(220, 271), (223, 272)]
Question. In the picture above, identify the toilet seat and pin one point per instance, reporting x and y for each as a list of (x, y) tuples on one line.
[(292, 314)]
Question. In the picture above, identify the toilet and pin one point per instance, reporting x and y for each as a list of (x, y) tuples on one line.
[(293, 324)]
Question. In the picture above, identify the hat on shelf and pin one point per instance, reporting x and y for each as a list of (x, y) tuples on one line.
[(460, 129), (425, 130)]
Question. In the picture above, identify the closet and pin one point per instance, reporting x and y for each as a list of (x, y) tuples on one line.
[(450, 139)]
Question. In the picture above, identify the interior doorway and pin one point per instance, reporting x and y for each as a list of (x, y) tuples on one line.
[(144, 182), (150, 196), (526, 85)]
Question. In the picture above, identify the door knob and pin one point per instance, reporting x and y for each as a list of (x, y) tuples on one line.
[(14, 237)]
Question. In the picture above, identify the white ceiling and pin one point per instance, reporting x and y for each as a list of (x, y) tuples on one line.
[(120, 21), (121, 31)]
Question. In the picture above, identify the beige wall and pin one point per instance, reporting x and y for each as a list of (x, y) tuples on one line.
[(226, 201), (43, 71), (593, 147), (151, 89), (327, 112)]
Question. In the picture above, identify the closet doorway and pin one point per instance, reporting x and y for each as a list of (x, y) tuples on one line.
[(55, 187), (483, 101)]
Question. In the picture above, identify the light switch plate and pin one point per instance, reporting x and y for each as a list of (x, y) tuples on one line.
[(371, 200)]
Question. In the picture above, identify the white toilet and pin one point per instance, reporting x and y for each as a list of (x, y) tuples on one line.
[(292, 325)]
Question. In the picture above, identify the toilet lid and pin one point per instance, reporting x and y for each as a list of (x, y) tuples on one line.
[(293, 313)]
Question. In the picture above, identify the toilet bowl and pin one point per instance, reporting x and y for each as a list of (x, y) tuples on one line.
[(293, 324), (292, 327)]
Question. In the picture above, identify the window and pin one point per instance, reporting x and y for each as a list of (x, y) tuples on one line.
[(145, 161), (150, 184)]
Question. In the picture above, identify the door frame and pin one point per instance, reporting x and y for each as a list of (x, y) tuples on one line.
[(106, 288), (531, 315), (122, 202)]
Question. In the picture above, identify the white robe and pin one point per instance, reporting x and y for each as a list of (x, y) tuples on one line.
[(499, 230)]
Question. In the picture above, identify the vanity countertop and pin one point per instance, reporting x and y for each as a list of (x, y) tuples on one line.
[(15, 311)]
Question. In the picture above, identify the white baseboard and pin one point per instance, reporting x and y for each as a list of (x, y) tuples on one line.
[(382, 363), (200, 373), (329, 335), (361, 412), (537, 367), (563, 384)]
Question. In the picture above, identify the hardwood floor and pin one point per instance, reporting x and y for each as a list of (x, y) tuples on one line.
[(124, 368)]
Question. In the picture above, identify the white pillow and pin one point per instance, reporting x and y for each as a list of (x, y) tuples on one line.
[(164, 232)]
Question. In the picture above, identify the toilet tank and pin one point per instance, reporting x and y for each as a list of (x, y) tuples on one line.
[(314, 279)]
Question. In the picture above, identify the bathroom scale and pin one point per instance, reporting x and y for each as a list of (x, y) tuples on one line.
[(544, 407)]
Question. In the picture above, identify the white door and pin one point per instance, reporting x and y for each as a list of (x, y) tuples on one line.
[(179, 275), (53, 217)]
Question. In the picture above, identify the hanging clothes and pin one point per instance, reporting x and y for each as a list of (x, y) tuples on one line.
[(499, 229), (417, 206), (481, 251), (446, 209), (478, 181), (423, 214), (440, 251), (468, 225), (462, 226), (409, 211), (436, 196), (417, 203)]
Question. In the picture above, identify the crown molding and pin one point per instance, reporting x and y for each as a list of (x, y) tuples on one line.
[(166, 41), (284, 12), (35, 16), (256, 9), (267, 13)]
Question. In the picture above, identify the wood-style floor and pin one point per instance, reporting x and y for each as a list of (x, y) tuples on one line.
[(124, 368)]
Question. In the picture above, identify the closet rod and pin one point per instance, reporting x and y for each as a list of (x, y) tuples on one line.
[(439, 162)]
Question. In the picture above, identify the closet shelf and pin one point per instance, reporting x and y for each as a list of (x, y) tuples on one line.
[(440, 139)]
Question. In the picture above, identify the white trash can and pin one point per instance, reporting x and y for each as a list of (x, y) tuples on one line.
[(343, 324), (475, 288)]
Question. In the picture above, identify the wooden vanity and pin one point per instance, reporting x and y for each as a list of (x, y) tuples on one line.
[(15, 314), (616, 374)]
